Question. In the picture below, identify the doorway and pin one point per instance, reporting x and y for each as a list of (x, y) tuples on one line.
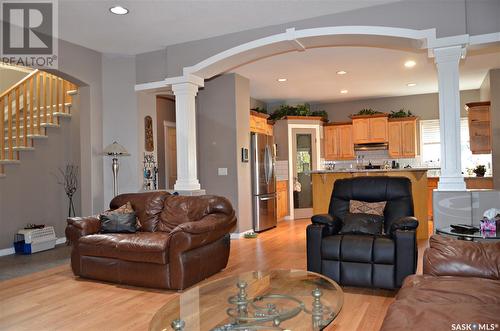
[(304, 161), (170, 155)]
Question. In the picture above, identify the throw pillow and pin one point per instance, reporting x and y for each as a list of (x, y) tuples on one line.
[(361, 223), (118, 223), (374, 208), (125, 209)]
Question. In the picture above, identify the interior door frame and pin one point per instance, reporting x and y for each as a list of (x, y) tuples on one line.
[(166, 125), (316, 158)]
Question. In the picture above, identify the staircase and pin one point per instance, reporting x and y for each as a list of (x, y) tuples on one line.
[(30, 106)]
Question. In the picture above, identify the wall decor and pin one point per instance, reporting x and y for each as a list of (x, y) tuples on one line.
[(68, 178), (148, 134), (150, 172)]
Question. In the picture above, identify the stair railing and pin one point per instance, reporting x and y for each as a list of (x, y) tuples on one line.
[(37, 99)]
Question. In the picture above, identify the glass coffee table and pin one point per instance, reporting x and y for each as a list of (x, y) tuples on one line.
[(259, 300), (477, 235)]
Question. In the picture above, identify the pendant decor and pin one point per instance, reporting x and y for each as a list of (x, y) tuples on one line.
[(150, 172), (148, 134)]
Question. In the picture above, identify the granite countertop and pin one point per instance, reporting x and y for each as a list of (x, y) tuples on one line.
[(369, 170)]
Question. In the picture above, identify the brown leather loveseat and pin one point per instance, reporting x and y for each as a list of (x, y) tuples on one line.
[(181, 241), (459, 290)]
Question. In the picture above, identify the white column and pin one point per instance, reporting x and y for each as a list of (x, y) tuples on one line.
[(447, 60), (185, 114)]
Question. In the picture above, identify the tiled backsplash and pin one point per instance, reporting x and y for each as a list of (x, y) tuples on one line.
[(281, 170), (376, 158)]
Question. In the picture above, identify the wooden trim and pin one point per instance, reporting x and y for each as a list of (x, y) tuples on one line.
[(338, 123), (477, 104), (18, 109), (402, 119), (58, 95), (2, 129), (307, 118), (45, 95), (19, 83), (368, 116), (38, 102), (9, 125), (32, 100), (256, 113), (25, 115), (165, 97)]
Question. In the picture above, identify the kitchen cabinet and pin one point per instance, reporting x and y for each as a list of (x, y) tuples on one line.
[(282, 198), (402, 137), (369, 129), (259, 123), (478, 114), (338, 143)]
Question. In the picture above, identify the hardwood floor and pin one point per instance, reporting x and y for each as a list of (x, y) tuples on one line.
[(55, 300)]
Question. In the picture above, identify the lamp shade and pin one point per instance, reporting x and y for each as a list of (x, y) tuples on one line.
[(115, 149)]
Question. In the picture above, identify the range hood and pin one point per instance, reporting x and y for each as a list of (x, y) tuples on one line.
[(371, 147)]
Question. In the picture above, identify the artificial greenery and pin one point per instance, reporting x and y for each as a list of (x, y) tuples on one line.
[(259, 110), (400, 113), (368, 111), (298, 110), (480, 170)]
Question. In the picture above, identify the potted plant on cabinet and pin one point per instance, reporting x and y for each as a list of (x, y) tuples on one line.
[(480, 170)]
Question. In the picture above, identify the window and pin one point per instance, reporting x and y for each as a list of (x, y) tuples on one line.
[(430, 141)]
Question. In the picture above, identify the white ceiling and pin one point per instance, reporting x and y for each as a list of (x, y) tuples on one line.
[(372, 72), (152, 25)]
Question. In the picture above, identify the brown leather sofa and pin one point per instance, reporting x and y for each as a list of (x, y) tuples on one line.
[(181, 241), (460, 288)]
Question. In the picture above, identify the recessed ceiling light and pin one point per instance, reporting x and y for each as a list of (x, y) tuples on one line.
[(344, 91), (118, 10), (341, 72), (411, 84), (410, 63), (281, 80)]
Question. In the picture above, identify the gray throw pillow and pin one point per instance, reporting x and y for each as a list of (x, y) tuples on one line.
[(360, 223), (118, 223)]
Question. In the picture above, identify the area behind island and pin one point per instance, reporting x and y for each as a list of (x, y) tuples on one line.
[(323, 182)]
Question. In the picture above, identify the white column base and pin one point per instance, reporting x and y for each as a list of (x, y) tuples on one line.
[(188, 192), (451, 184)]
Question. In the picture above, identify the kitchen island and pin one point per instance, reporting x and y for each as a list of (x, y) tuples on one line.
[(323, 181)]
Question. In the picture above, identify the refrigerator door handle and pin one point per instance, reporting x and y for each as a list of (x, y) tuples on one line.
[(266, 198), (266, 164)]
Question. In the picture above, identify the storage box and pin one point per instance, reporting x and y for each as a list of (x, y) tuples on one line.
[(29, 241)]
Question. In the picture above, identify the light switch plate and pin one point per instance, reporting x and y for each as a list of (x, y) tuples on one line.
[(222, 171)]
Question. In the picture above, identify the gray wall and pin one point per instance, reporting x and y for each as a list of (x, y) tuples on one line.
[(494, 76), (480, 17), (119, 122), (254, 103), (222, 130), (30, 192), (9, 77), (425, 106), (165, 111)]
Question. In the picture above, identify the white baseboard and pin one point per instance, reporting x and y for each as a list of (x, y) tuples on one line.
[(10, 250), (7, 251), (239, 235)]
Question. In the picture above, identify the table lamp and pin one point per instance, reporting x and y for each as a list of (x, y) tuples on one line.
[(115, 150)]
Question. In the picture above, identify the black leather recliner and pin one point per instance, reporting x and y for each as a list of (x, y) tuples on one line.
[(380, 261)]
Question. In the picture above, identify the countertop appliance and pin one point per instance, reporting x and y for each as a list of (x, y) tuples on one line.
[(262, 159)]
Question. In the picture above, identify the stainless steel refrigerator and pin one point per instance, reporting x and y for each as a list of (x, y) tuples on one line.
[(262, 158)]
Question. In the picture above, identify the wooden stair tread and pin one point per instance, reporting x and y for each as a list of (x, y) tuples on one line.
[(8, 161)]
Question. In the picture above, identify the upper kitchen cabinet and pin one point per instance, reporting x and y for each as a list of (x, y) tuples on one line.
[(402, 137), (479, 127), (259, 124), (338, 143), (369, 129)]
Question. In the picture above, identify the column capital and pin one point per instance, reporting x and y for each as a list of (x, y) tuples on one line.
[(185, 88), (449, 53)]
